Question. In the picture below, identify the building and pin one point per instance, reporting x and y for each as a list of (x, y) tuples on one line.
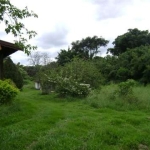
[(6, 49)]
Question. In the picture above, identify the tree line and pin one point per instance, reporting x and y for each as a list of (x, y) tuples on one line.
[(128, 59)]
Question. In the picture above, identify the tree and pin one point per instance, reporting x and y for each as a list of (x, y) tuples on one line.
[(45, 58), (35, 59), (23, 72), (31, 71), (133, 64), (12, 16), (88, 47), (11, 72), (65, 56), (132, 39), (38, 58), (107, 66)]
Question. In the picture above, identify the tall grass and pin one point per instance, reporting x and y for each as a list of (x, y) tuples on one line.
[(106, 97)]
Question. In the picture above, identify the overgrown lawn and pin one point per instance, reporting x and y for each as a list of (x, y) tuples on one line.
[(46, 122)]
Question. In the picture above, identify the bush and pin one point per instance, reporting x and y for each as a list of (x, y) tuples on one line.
[(125, 88), (125, 91), (67, 80), (11, 72), (9, 81), (82, 71), (7, 92), (48, 84), (70, 87)]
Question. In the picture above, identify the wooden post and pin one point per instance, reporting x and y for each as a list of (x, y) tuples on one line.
[(1, 65)]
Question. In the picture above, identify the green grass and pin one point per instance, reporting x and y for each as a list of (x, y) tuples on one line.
[(45, 122), (106, 98)]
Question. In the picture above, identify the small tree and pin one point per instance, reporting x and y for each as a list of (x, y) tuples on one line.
[(11, 72), (23, 72), (38, 58)]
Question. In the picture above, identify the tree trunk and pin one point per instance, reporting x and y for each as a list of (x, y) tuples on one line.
[(1, 65)]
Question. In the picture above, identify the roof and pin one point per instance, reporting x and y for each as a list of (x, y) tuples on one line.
[(7, 48)]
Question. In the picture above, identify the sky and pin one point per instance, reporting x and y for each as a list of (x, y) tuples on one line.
[(61, 22)]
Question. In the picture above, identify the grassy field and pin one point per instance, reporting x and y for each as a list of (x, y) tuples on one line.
[(45, 122)]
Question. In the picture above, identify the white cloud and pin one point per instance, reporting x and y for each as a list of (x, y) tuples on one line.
[(61, 22), (19, 56), (54, 38)]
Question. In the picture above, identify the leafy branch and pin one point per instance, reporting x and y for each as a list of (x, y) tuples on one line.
[(12, 16)]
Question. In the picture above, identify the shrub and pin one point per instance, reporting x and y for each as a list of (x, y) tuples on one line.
[(11, 72), (9, 81), (48, 84), (125, 91), (125, 88), (67, 80), (70, 87), (7, 92), (82, 71)]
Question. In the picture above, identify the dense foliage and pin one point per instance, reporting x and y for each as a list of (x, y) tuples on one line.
[(134, 64), (12, 72), (31, 71), (64, 86), (83, 71), (7, 92), (132, 39), (65, 56), (72, 78), (87, 48), (70, 87)]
